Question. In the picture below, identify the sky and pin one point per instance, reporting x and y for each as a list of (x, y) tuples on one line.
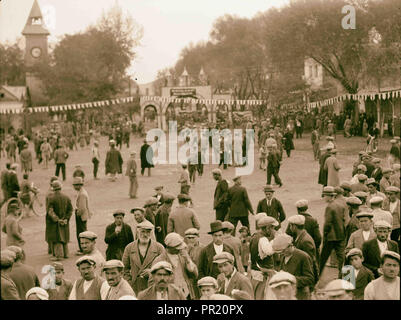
[(169, 25)]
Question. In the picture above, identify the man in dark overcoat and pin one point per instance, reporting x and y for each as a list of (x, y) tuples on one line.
[(118, 236), (146, 157), (220, 203), (271, 206), (114, 161)]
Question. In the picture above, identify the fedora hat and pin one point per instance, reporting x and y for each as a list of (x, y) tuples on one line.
[(215, 226)]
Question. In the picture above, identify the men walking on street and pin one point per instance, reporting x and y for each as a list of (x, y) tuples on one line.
[(271, 206), (82, 212), (114, 161), (220, 202), (12, 182), (95, 159), (131, 173), (146, 157), (60, 157), (273, 165)]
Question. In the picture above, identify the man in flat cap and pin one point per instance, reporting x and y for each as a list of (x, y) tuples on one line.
[(131, 173), (8, 288), (360, 169), (206, 267), (233, 242), (373, 190), (395, 177), (346, 186), (139, 217), (82, 211), (220, 202), (113, 162), (392, 204), (115, 285), (12, 226), (283, 286), (207, 287), (360, 185), (296, 262), (118, 236), (59, 209), (159, 195), (323, 171), (139, 255), (376, 204), (394, 154), (377, 172), (87, 239), (354, 204), (332, 166), (162, 216), (150, 207), (183, 217), (24, 276), (387, 286), (362, 275), (184, 269), (385, 180), (339, 289), (240, 204), (183, 179), (229, 278), (194, 246), (89, 285), (333, 230), (63, 287), (364, 233), (271, 205), (373, 249), (37, 293), (162, 288), (60, 157)]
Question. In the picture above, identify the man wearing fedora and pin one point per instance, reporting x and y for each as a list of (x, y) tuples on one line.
[(59, 209), (206, 266), (114, 161), (82, 212), (271, 205), (118, 236), (131, 173), (239, 204)]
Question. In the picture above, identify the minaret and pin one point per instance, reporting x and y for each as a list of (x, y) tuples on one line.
[(184, 78), (35, 49), (202, 77), (169, 78)]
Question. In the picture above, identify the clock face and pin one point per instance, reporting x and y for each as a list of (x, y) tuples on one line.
[(36, 52)]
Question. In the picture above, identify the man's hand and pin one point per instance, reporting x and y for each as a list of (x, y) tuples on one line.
[(118, 229)]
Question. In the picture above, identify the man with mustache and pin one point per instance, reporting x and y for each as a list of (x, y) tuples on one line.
[(115, 285), (162, 289)]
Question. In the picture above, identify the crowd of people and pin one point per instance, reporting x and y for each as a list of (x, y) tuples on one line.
[(161, 256)]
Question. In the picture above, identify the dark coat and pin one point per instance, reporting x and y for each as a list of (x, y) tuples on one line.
[(117, 242), (312, 227), (114, 161), (146, 162), (220, 195), (363, 278), (59, 208), (12, 184), (288, 143), (206, 266), (161, 220), (275, 210), (377, 174), (273, 161), (299, 265), (63, 292), (24, 278), (372, 256), (323, 173), (239, 202), (395, 151), (238, 282), (267, 262), (305, 243), (334, 222), (150, 293)]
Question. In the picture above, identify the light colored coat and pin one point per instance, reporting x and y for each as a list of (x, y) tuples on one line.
[(356, 240), (182, 219), (82, 205), (332, 167), (114, 293)]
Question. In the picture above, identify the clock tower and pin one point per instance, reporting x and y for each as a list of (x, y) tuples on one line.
[(35, 50)]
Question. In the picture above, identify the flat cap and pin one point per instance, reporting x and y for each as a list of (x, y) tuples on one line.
[(362, 177), (354, 252), (78, 181), (330, 146), (282, 277), (364, 214), (7, 258), (337, 287), (396, 166), (88, 235), (236, 178), (161, 265), (137, 209), (361, 194), (371, 181), (260, 215), (159, 188), (376, 160), (297, 219), (376, 199), (118, 213), (40, 293), (207, 281), (387, 170), (265, 221), (87, 259), (14, 166), (382, 224), (145, 225), (302, 203), (150, 201), (174, 240), (216, 171), (268, 188), (354, 201), (191, 232), (281, 242), (330, 138), (393, 141), (392, 189), (110, 264), (183, 197), (132, 153), (346, 185), (338, 190), (227, 225), (168, 197), (112, 142), (391, 254), (362, 167), (58, 266), (328, 190), (56, 185), (223, 257)]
